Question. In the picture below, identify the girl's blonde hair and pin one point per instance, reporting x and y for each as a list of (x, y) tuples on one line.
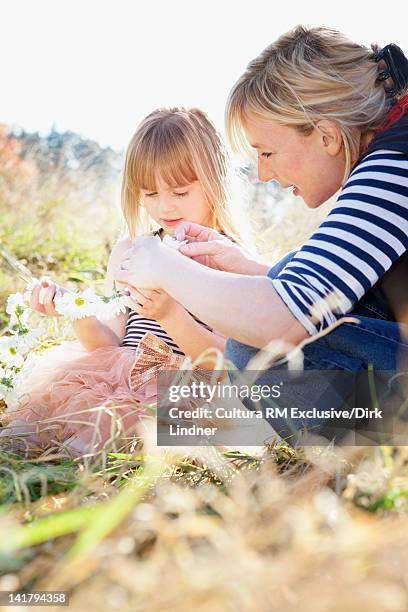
[(307, 75), (182, 145)]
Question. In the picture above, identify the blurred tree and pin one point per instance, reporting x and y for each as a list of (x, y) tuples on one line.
[(67, 155), (16, 174)]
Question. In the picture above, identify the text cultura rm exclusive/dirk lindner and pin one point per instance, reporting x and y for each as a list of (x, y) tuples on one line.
[(271, 412)]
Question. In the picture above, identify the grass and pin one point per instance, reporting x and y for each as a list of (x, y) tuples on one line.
[(211, 526)]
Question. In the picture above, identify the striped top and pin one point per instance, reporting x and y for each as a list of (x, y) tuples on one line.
[(137, 326), (360, 239)]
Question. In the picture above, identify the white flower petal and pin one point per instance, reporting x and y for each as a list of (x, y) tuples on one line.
[(113, 308), (14, 300), (78, 305)]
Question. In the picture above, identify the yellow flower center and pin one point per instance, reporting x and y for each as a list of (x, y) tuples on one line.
[(79, 301)]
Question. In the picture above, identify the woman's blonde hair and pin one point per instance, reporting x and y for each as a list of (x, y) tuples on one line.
[(182, 145), (307, 75)]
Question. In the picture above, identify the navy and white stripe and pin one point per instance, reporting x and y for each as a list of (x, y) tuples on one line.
[(137, 326), (360, 239)]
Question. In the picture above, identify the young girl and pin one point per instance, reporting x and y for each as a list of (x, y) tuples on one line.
[(176, 170)]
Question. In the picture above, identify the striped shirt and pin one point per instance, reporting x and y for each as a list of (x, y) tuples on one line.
[(360, 239), (137, 326)]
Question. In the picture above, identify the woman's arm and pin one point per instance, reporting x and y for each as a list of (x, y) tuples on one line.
[(245, 308)]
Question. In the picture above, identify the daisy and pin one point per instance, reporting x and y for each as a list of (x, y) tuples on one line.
[(8, 394), (19, 322), (15, 300), (10, 352), (18, 379), (17, 310), (28, 338), (77, 305), (112, 307), (3, 391), (27, 368)]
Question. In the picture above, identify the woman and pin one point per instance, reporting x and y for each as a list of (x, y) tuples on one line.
[(323, 114)]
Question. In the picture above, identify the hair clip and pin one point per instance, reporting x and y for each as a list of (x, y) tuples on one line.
[(397, 68), (384, 75)]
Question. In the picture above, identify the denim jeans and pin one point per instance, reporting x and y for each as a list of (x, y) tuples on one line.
[(375, 340)]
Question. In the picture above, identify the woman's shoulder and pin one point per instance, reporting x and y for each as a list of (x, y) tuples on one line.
[(394, 138), (381, 161), (375, 195)]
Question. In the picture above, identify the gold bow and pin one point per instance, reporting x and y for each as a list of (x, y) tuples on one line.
[(152, 355)]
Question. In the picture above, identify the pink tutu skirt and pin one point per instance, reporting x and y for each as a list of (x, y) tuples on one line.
[(85, 400)]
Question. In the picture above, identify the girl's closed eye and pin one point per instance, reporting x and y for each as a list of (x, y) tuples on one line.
[(181, 194), (266, 154)]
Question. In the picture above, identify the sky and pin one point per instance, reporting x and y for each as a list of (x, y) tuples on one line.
[(97, 67)]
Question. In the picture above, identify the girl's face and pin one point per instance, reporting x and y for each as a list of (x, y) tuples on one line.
[(171, 205), (312, 164)]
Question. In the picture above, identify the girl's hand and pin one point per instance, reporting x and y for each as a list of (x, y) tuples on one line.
[(141, 264), (209, 247), (151, 303), (40, 295)]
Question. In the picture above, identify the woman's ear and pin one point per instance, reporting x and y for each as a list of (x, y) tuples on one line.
[(329, 136)]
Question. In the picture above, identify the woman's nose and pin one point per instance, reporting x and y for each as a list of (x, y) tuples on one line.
[(265, 174)]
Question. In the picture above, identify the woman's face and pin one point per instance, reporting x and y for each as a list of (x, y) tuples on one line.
[(171, 205), (312, 164)]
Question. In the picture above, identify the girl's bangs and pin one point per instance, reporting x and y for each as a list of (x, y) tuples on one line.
[(167, 158)]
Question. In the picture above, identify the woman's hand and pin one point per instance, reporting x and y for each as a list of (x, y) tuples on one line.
[(140, 265), (152, 303), (40, 295), (209, 247)]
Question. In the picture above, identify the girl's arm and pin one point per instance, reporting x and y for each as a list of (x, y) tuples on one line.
[(192, 337), (90, 331), (94, 334)]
